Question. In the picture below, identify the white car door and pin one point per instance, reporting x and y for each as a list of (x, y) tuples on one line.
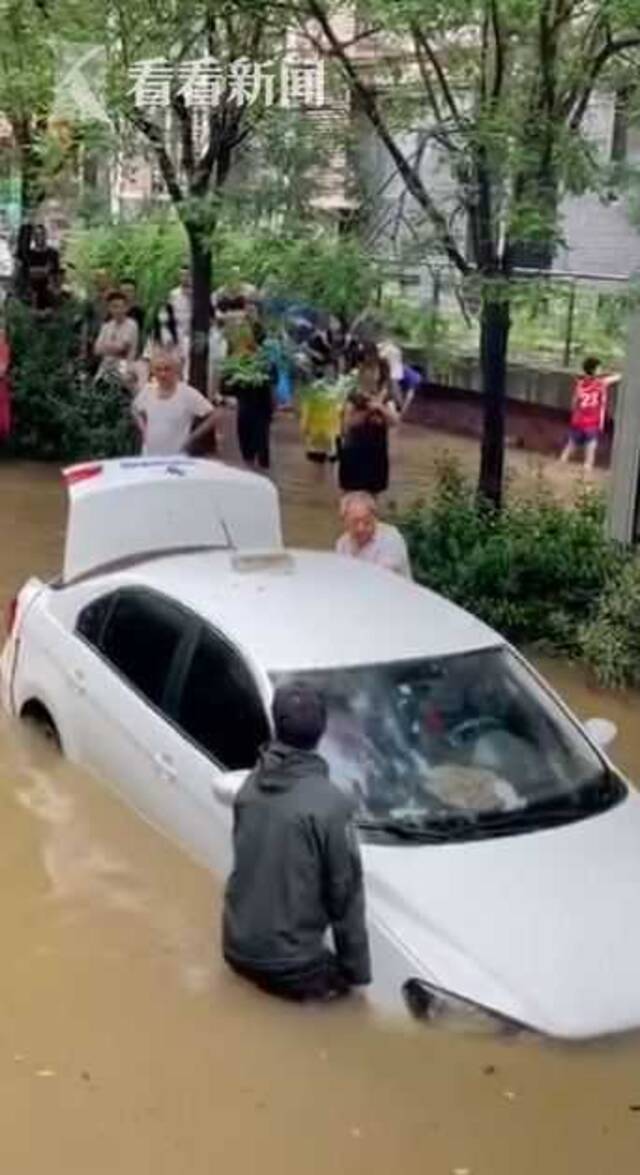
[(127, 650), (219, 723)]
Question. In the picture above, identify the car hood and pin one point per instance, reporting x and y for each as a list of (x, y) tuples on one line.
[(542, 927)]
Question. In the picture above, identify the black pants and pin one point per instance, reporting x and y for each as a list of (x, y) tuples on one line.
[(321, 980), (253, 436)]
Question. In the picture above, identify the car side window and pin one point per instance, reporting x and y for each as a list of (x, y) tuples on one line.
[(141, 639), (90, 622), (219, 707)]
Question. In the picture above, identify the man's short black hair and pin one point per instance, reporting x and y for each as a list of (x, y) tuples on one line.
[(116, 296), (591, 365), (299, 715)]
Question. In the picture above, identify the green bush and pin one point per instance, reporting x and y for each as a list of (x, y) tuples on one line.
[(535, 571), (332, 273), (611, 641), (149, 252), (58, 413)]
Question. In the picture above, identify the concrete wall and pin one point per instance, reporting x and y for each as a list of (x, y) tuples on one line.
[(528, 385), (601, 237)]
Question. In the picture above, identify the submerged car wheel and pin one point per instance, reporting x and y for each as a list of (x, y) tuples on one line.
[(418, 999), (36, 716), (430, 1005)]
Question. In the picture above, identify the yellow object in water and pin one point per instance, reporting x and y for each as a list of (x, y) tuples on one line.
[(321, 418)]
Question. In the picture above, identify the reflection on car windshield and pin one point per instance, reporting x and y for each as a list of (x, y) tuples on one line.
[(469, 742)]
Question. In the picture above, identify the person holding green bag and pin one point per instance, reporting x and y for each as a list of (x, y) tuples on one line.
[(321, 405)]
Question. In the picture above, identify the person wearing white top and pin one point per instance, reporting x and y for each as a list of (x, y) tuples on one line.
[(117, 343), (366, 538), (390, 351), (167, 409)]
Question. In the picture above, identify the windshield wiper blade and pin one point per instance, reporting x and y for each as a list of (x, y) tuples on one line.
[(404, 830)]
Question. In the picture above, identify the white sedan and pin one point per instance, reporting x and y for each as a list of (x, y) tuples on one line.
[(501, 847)]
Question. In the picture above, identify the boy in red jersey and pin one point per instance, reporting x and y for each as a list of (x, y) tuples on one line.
[(588, 412)]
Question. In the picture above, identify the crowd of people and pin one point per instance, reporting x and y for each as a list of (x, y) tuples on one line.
[(349, 392)]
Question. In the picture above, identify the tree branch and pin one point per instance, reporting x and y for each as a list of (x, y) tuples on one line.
[(165, 163), (426, 80), (484, 57), (576, 103), (370, 106), (564, 13), (421, 39), (185, 122), (499, 51)]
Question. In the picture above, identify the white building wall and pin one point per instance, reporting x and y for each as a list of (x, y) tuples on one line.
[(601, 237)]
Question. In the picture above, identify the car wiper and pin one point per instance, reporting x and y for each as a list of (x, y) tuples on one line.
[(407, 829), (448, 826)]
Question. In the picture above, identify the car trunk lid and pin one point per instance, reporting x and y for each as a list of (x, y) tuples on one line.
[(134, 509)]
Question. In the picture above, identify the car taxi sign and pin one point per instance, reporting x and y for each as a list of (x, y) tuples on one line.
[(264, 561)]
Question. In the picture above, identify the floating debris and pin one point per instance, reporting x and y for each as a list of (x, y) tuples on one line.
[(45, 1073)]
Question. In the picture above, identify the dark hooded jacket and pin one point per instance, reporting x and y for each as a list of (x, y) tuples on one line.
[(297, 871)]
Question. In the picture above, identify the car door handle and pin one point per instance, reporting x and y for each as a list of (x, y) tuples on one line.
[(78, 682), (166, 767)]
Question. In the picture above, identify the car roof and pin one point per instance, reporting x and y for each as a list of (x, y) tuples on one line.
[(314, 610)]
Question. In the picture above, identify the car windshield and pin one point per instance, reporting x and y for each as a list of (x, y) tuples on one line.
[(457, 747)]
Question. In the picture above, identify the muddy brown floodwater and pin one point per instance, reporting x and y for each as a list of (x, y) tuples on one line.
[(125, 1046)]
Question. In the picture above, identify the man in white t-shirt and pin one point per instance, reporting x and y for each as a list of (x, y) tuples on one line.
[(365, 537), (167, 409)]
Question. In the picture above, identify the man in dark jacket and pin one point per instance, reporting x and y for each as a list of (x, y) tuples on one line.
[(297, 868)]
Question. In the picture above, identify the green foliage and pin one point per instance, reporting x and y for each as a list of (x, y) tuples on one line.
[(59, 415), (245, 371), (540, 325), (328, 271), (535, 571), (150, 252), (610, 643)]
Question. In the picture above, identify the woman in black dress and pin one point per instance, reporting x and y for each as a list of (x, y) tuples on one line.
[(369, 414), (255, 396)]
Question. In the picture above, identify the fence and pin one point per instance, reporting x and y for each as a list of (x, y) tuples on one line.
[(557, 316)]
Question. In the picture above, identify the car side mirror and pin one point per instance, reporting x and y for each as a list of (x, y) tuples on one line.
[(601, 731)]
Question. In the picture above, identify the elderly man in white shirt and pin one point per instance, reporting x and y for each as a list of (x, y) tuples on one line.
[(366, 538), (171, 415)]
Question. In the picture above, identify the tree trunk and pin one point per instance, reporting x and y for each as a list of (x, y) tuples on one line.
[(494, 336), (201, 309)]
